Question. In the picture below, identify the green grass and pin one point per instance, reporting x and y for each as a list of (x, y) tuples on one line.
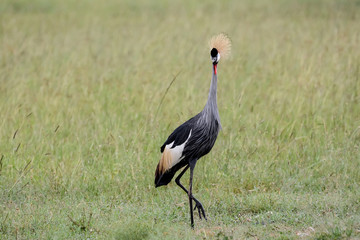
[(80, 85)]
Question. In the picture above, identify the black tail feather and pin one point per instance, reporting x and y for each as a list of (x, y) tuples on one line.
[(165, 178)]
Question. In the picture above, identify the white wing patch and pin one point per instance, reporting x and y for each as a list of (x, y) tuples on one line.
[(176, 152)]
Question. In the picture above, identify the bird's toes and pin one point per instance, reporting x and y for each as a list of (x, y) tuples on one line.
[(201, 210), (202, 213)]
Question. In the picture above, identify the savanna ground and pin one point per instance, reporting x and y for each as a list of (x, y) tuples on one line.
[(81, 123)]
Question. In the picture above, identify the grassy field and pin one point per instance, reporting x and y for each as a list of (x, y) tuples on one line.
[(81, 122)]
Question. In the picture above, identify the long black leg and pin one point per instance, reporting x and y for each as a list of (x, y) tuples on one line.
[(177, 180), (192, 166), (198, 205)]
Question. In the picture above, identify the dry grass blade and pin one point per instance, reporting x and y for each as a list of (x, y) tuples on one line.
[(15, 133), (167, 89), (17, 148), (1, 163), (22, 174)]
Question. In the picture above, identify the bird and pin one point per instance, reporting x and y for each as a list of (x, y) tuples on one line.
[(196, 137)]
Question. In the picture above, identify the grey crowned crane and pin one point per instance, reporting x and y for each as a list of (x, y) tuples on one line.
[(195, 137)]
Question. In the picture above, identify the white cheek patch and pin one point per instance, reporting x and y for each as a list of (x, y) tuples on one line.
[(215, 59), (176, 152)]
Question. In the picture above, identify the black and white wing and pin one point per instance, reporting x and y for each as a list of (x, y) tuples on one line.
[(173, 148)]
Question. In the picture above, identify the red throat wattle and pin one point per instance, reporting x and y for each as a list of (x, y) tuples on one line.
[(215, 66)]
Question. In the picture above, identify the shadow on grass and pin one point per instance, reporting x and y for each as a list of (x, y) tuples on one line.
[(133, 231), (335, 234)]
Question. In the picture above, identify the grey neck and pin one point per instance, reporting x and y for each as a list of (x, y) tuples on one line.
[(211, 109)]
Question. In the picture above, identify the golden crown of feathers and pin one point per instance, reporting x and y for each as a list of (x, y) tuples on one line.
[(222, 43)]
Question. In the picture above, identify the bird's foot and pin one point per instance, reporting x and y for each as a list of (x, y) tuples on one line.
[(200, 208)]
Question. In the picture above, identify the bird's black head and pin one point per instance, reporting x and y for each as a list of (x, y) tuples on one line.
[(215, 56)]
